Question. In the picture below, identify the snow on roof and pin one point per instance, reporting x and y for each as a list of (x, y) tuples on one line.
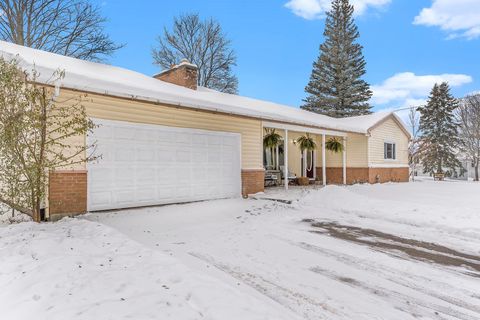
[(371, 120), (106, 79)]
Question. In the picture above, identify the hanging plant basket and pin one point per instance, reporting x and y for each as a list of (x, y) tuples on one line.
[(271, 139), (334, 145), (306, 142)]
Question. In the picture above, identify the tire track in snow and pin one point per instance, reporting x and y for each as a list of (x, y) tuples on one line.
[(388, 243), (399, 299), (398, 277), (455, 233), (305, 306)]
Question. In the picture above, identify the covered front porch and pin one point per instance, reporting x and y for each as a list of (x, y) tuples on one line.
[(287, 164)]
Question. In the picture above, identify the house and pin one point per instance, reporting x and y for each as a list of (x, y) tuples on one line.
[(165, 140)]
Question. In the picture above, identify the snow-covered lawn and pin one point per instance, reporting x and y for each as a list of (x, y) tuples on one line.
[(392, 251)]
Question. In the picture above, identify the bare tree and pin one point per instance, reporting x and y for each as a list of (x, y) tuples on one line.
[(468, 116), (414, 144), (36, 126), (202, 43), (68, 27)]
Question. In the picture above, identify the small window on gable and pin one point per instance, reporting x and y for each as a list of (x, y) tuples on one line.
[(389, 151)]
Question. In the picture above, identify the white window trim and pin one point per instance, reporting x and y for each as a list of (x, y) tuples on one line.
[(395, 153)]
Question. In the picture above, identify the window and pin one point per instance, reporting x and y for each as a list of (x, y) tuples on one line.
[(389, 151)]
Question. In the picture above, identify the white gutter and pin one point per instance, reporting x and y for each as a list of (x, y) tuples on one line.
[(290, 127)]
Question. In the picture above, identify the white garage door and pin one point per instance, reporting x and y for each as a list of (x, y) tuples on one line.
[(145, 165)]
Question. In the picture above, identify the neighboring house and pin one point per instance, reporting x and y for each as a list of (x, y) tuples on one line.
[(468, 168), (165, 140)]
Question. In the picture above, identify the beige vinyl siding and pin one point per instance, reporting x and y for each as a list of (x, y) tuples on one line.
[(388, 131), (356, 148), (110, 108)]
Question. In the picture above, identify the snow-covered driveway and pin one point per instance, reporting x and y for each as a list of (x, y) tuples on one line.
[(393, 251)]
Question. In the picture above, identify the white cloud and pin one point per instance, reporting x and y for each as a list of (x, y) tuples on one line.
[(315, 9), (407, 89), (460, 18)]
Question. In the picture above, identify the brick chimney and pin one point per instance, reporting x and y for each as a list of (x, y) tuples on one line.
[(183, 74)]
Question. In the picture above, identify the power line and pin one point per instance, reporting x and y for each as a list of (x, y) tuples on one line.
[(408, 108)]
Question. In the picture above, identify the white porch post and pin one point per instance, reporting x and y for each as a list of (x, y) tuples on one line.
[(324, 162), (344, 160), (285, 159), (277, 158), (304, 163)]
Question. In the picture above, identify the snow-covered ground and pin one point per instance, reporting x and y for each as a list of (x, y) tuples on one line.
[(392, 251)]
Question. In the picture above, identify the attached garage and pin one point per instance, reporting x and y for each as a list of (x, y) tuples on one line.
[(143, 164)]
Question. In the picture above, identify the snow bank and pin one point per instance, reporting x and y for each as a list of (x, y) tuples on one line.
[(7, 217), (423, 210), (77, 269)]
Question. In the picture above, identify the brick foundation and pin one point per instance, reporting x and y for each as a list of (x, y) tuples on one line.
[(381, 175), (253, 181), (365, 175), (335, 175), (67, 193)]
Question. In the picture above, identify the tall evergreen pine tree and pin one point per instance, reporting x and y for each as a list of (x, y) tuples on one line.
[(335, 87), (439, 131)]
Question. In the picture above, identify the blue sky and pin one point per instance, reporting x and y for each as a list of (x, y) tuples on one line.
[(408, 44)]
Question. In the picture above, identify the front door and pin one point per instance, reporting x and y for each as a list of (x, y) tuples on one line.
[(310, 164)]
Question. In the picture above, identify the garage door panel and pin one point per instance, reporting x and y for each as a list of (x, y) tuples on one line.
[(148, 165), (145, 154), (183, 156), (163, 137), (200, 174), (214, 140), (214, 155), (184, 138), (165, 175), (200, 140), (104, 151), (183, 192), (104, 132), (100, 198), (165, 156), (146, 194), (123, 153), (200, 156), (200, 191), (184, 175)]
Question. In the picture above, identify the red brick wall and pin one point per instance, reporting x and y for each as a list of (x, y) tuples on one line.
[(381, 175), (253, 181), (363, 175), (335, 175), (67, 194)]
